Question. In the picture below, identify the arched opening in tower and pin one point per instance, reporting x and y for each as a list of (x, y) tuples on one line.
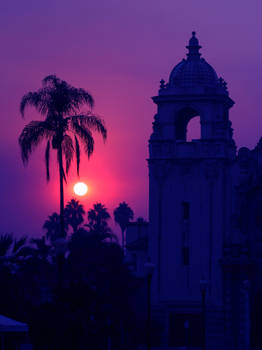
[(193, 129), (187, 125)]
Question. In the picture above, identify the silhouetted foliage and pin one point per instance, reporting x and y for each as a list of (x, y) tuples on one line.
[(42, 248), (52, 227), (122, 215), (85, 302), (6, 240), (74, 214), (60, 104), (98, 218), (10, 246)]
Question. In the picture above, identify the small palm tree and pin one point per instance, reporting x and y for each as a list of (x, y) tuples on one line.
[(98, 218), (122, 215), (60, 104), (74, 214), (52, 227)]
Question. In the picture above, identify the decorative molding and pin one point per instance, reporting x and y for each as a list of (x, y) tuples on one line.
[(160, 168), (185, 167), (212, 168)]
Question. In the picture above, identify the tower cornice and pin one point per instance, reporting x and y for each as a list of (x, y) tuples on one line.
[(194, 98)]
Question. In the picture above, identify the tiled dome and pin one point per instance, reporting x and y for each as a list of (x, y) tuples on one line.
[(193, 71)]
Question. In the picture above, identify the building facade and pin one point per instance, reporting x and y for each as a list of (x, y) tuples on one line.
[(205, 215)]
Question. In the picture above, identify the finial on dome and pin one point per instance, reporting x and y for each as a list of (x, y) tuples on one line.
[(193, 47), (162, 84)]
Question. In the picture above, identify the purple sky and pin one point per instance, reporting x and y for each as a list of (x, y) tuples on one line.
[(118, 50)]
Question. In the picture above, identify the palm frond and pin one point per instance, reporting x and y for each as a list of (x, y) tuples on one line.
[(81, 96), (18, 244), (26, 252), (57, 97), (86, 137), (6, 241), (50, 80), (123, 214), (52, 226), (77, 149), (32, 134), (68, 149), (30, 99), (62, 166), (41, 247), (78, 97), (57, 100), (39, 99), (47, 158), (64, 98), (92, 122), (64, 175)]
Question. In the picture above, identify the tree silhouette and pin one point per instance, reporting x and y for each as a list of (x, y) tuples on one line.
[(60, 104), (6, 241), (9, 246), (122, 215), (97, 298), (74, 214), (42, 249), (98, 218), (52, 227)]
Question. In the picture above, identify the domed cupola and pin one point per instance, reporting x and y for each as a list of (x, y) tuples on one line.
[(194, 74)]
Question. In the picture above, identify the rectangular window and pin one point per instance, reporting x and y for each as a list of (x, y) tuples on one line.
[(185, 330), (186, 210), (134, 262), (185, 255)]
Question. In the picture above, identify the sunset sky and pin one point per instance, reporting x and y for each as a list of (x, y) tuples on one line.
[(118, 50)]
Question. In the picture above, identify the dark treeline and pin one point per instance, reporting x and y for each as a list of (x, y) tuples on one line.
[(74, 292)]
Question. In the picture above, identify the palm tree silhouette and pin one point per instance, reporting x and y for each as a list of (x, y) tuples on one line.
[(98, 218), (52, 227), (122, 215), (60, 104), (74, 214), (41, 248), (6, 241), (11, 247)]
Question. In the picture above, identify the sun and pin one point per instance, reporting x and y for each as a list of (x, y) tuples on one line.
[(80, 188)]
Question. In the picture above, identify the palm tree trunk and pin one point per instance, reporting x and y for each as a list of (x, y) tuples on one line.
[(61, 179), (75, 227), (123, 240), (60, 255)]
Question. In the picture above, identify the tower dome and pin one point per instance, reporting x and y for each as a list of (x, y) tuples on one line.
[(193, 71)]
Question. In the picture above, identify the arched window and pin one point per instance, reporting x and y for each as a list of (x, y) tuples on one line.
[(193, 129), (187, 124)]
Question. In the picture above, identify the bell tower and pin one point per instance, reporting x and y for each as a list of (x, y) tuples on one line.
[(190, 205)]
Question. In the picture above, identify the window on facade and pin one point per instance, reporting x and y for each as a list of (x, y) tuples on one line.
[(185, 255), (134, 262), (185, 330), (185, 233), (193, 129), (186, 210)]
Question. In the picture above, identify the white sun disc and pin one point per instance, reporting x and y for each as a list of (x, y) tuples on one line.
[(80, 189)]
